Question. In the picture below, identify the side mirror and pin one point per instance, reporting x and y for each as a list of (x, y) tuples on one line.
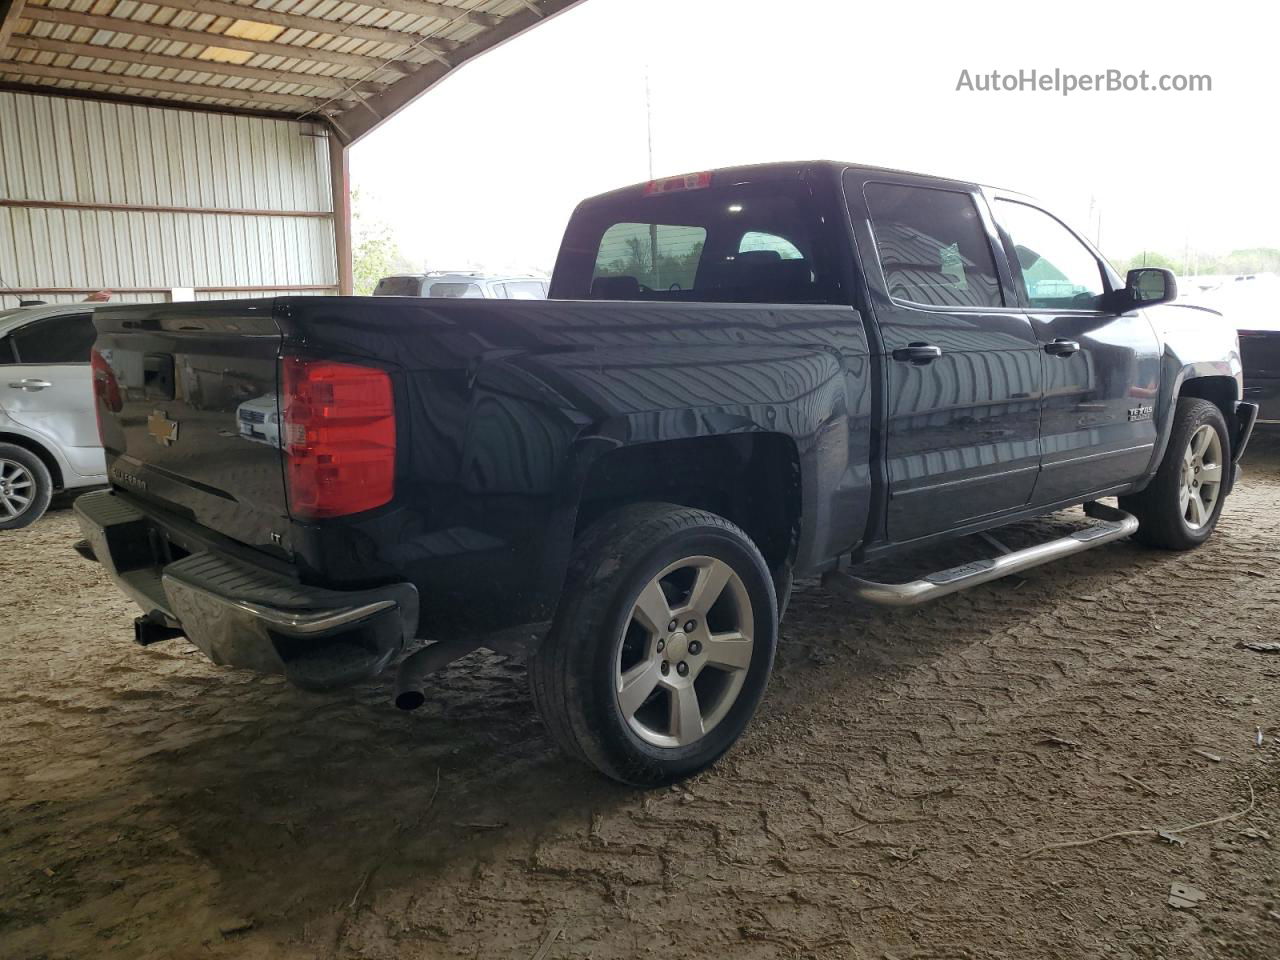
[(1148, 286)]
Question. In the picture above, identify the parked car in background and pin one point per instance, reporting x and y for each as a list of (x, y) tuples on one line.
[(462, 283), (1260, 354), (1252, 303), (48, 430), (259, 419)]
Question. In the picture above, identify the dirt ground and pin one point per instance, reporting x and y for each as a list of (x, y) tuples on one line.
[(889, 800)]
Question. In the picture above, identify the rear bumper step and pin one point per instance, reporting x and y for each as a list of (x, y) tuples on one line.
[(1113, 525), (241, 615)]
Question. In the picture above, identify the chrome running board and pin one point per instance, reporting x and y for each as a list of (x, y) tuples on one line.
[(1114, 525)]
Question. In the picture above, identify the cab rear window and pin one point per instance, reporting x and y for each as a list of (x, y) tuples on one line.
[(658, 256), (754, 242)]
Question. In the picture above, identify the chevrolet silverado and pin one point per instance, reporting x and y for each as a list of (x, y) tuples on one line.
[(742, 377)]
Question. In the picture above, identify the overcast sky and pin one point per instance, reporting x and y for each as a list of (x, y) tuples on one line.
[(485, 169)]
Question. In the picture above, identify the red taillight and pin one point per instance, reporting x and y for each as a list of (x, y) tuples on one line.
[(339, 437), (686, 181), (106, 389)]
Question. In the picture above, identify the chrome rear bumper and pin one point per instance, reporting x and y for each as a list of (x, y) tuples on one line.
[(242, 615)]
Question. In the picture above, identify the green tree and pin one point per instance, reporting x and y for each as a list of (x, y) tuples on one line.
[(1193, 262), (1147, 258), (374, 251)]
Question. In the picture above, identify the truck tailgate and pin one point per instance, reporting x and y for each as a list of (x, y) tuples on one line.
[(186, 395)]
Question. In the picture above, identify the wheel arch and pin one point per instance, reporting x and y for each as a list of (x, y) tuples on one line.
[(46, 455), (1218, 383), (1224, 392), (751, 479)]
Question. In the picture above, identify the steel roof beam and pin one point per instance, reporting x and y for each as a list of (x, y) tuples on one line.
[(124, 81), (10, 12), (420, 8), (128, 27), (362, 118), (98, 51), (294, 21)]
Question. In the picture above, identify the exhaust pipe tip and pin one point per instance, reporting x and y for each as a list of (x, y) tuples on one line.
[(410, 699), (147, 631), (411, 676)]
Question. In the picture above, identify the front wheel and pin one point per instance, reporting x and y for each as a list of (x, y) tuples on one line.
[(662, 646), (1179, 509)]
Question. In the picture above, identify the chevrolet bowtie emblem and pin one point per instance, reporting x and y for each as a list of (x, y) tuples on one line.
[(163, 430)]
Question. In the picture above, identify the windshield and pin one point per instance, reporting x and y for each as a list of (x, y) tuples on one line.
[(755, 242)]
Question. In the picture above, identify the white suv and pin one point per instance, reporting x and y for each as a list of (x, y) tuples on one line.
[(461, 283), (48, 430)]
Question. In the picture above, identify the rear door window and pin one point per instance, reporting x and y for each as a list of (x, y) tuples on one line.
[(524, 290), (933, 247), (466, 291), (55, 340), (398, 287)]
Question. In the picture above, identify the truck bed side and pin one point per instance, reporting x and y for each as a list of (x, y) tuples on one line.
[(519, 417), (516, 423)]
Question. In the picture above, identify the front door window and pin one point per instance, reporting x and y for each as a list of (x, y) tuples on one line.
[(1054, 269)]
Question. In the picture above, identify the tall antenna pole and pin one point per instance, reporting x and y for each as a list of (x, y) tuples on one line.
[(648, 118), (653, 227)]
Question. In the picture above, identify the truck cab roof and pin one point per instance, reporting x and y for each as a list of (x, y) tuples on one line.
[(785, 170)]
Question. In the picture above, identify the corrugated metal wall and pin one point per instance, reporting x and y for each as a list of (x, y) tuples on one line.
[(77, 178)]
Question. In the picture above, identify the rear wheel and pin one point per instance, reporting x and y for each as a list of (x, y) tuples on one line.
[(663, 644), (25, 487), (1180, 508)]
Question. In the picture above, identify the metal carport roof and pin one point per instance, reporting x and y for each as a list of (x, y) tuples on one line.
[(344, 65), (349, 63)]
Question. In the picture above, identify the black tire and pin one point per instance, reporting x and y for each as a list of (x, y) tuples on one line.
[(36, 480), (574, 671), (1159, 507)]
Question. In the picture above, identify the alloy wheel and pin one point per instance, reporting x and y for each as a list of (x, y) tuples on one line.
[(1201, 476), (17, 488), (685, 652)]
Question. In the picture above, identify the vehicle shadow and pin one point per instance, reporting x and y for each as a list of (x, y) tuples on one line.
[(307, 806)]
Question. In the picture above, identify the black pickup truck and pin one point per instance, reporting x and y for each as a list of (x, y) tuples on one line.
[(743, 376)]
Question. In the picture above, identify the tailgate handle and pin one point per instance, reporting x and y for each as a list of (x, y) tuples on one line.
[(31, 384)]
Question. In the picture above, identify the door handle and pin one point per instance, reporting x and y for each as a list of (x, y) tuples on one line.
[(918, 353), (30, 384), (1061, 348)]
